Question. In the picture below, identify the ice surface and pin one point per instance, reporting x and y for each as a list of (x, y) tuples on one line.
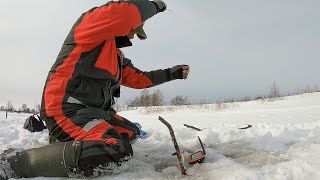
[(283, 143)]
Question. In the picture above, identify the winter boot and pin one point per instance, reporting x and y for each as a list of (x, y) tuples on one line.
[(5, 170), (57, 160)]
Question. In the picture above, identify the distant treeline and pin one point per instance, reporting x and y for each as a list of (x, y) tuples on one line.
[(156, 98), (24, 108)]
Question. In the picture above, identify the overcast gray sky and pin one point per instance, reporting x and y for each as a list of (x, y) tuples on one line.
[(234, 48)]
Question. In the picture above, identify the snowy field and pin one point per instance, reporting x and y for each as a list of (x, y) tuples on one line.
[(283, 143)]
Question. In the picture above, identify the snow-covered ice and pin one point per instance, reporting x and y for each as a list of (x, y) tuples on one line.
[(283, 143)]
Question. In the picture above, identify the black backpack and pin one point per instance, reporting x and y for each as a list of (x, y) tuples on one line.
[(34, 124)]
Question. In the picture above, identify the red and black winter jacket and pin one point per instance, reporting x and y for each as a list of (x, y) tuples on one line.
[(90, 68)]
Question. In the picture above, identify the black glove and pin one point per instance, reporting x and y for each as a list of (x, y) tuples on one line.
[(161, 6), (179, 72)]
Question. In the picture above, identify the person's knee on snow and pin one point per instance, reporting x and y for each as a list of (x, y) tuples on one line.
[(98, 158)]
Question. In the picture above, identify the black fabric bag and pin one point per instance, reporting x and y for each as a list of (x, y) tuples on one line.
[(34, 124)]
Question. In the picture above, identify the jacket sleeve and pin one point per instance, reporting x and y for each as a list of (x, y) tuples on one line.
[(134, 78), (107, 22)]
